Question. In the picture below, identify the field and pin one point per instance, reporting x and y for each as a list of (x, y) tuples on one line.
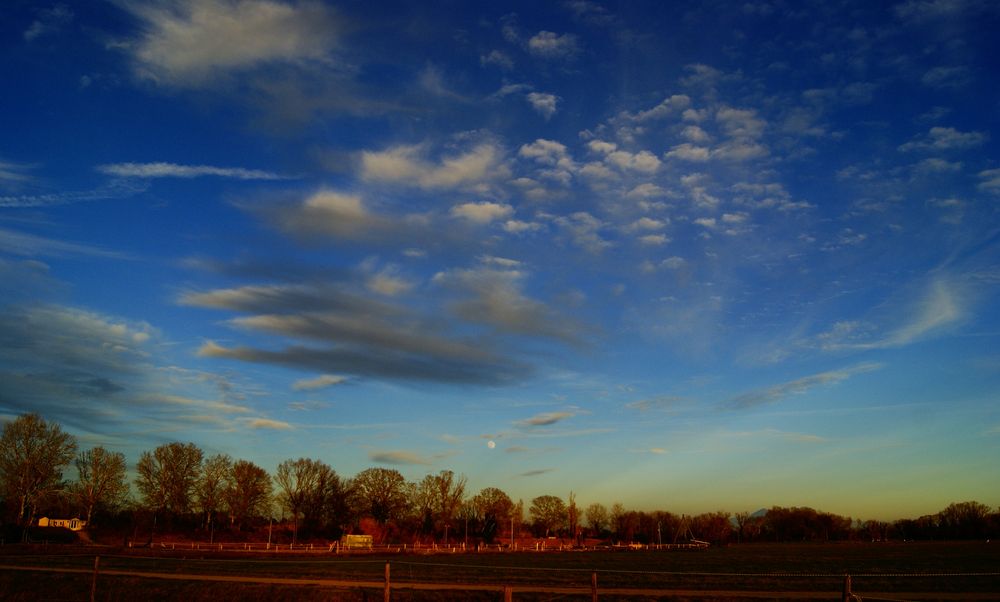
[(895, 571)]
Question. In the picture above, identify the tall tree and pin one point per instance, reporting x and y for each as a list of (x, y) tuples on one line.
[(211, 485), (380, 493), (166, 477), (33, 453), (573, 517), (101, 480), (248, 492), (493, 509), (441, 495), (548, 513), (300, 483), (597, 517)]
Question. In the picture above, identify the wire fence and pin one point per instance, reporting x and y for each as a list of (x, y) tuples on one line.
[(512, 580)]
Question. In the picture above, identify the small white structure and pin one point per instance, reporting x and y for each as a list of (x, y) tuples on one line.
[(73, 524), (353, 542)]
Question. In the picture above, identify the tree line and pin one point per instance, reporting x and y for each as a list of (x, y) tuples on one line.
[(178, 488)]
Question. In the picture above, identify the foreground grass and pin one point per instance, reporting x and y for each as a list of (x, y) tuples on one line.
[(757, 567)]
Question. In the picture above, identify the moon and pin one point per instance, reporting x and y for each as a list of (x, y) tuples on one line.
[(491, 444)]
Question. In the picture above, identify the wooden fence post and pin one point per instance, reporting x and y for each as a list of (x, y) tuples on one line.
[(848, 596), (93, 582), (593, 586), (385, 595), (508, 593)]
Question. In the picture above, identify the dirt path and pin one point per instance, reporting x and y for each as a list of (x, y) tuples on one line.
[(534, 589)]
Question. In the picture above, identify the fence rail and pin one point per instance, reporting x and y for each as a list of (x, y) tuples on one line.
[(581, 587)]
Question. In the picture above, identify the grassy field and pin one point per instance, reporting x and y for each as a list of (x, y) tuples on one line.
[(770, 568)]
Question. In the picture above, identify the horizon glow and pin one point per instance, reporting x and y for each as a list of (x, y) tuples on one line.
[(678, 256)]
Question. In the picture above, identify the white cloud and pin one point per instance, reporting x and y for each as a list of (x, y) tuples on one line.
[(990, 180), (947, 77), (669, 106), (173, 170), (520, 227), (602, 147), (320, 382), (544, 104), (547, 152), (688, 152), (584, 229), (740, 123), (740, 150), (267, 423), (647, 223), (549, 45), (647, 190), (643, 161), (673, 263), (498, 58), (190, 41), (654, 239), (49, 21), (695, 134), (388, 282), (409, 165), (597, 171), (482, 213), (934, 165), (945, 138), (706, 222)]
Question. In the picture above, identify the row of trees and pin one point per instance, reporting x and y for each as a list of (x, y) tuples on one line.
[(182, 489)]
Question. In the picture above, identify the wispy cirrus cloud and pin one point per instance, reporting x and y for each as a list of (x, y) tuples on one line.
[(31, 245), (799, 386), (938, 306), (175, 170), (662, 402), (116, 189), (268, 424), (398, 457), (322, 381), (537, 472), (544, 419)]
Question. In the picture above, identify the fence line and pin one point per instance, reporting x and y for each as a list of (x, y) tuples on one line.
[(386, 585), (497, 567)]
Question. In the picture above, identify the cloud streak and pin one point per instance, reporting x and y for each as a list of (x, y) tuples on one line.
[(173, 170), (799, 386)]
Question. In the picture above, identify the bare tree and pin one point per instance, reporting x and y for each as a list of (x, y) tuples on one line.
[(597, 517), (300, 483), (33, 453), (167, 476), (573, 517), (101, 480), (442, 495), (212, 484), (248, 492)]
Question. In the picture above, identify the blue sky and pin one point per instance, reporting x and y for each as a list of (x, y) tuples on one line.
[(682, 255)]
